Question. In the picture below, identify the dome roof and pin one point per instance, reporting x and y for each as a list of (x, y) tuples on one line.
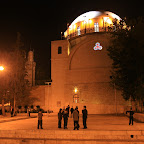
[(93, 14), (92, 21)]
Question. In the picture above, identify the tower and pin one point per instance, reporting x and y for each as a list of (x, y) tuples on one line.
[(30, 68)]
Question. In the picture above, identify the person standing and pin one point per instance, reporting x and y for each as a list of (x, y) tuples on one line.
[(68, 108), (12, 111), (40, 119), (78, 116), (28, 111), (71, 111), (76, 119), (59, 118), (84, 115), (65, 117), (131, 116)]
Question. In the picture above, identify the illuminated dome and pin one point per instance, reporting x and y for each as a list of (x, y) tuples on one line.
[(92, 21)]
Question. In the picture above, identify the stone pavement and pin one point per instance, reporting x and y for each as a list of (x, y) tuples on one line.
[(102, 129), (50, 122)]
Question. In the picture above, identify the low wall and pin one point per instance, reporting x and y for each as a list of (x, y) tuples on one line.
[(69, 137), (139, 117)]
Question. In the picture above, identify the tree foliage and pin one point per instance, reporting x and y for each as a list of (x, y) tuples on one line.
[(127, 52), (13, 77)]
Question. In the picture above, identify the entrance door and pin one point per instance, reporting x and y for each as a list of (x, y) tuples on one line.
[(76, 98)]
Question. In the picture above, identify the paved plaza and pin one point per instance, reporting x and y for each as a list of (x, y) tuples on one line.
[(102, 129), (50, 122)]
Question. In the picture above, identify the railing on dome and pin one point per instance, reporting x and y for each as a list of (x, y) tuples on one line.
[(90, 30)]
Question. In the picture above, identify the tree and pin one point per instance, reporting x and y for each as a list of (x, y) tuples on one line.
[(4, 78), (13, 79), (19, 85), (127, 52)]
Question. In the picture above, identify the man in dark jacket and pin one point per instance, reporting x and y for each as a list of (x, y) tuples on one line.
[(71, 111), (59, 118), (40, 119), (65, 117), (68, 107), (84, 113), (131, 116)]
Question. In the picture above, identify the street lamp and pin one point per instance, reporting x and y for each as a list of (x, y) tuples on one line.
[(3, 110), (1, 68)]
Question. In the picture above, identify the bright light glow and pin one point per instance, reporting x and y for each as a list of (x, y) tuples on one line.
[(75, 90), (107, 20), (97, 46), (112, 15), (86, 16), (1, 68), (90, 21)]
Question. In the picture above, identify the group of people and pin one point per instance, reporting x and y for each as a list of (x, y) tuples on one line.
[(64, 113), (75, 114)]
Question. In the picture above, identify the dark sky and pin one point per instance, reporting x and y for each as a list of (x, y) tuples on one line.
[(42, 21)]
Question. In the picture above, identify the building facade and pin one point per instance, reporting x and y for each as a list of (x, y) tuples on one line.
[(81, 68)]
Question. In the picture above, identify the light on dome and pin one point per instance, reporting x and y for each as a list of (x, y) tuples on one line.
[(107, 20), (90, 21)]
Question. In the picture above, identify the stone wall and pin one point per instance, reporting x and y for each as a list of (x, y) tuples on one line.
[(87, 70)]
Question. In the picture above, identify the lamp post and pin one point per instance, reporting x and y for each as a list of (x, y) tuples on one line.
[(3, 110)]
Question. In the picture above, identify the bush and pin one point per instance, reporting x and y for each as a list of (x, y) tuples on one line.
[(32, 106), (19, 107), (38, 107)]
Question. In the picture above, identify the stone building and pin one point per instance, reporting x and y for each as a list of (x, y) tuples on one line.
[(80, 67)]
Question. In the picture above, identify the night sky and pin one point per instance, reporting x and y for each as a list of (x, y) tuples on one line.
[(41, 22)]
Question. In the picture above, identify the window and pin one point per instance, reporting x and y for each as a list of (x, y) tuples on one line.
[(76, 98), (59, 50), (96, 27), (78, 31)]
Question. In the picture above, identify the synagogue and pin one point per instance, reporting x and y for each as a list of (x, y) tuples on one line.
[(81, 68)]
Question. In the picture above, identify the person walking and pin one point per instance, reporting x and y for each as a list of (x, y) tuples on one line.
[(84, 116), (131, 116), (65, 117), (40, 119), (59, 118), (71, 111), (76, 119)]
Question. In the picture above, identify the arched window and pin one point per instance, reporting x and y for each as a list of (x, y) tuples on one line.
[(78, 31), (76, 98), (96, 27), (59, 50)]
